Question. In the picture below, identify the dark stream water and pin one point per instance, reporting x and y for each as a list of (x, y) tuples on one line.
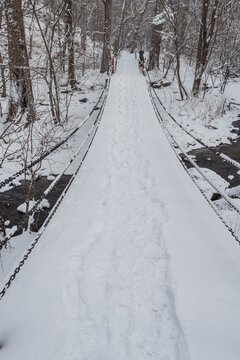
[(11, 199), (206, 159)]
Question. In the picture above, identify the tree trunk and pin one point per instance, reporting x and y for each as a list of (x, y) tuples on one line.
[(155, 42), (139, 13), (21, 94), (106, 56), (120, 29), (182, 89), (70, 42), (4, 89), (135, 35), (83, 25), (204, 40)]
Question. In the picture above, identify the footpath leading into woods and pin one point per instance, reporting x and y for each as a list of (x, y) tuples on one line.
[(135, 264)]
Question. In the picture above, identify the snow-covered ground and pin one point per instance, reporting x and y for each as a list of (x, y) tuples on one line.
[(207, 116), (19, 145), (134, 264), (46, 135)]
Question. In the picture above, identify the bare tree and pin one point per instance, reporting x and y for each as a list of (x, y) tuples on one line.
[(206, 37), (227, 51), (119, 32), (139, 11), (174, 21), (70, 41), (155, 38), (21, 94), (106, 56), (83, 25), (52, 80), (4, 89)]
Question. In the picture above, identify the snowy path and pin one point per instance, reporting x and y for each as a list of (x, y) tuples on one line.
[(134, 265)]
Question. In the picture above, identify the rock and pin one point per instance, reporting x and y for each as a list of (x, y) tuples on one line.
[(159, 84), (215, 196), (166, 84), (83, 100)]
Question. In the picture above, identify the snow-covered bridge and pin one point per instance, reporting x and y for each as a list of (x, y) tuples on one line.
[(135, 264)]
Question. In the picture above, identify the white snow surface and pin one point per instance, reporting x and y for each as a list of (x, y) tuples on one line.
[(135, 264), (23, 207)]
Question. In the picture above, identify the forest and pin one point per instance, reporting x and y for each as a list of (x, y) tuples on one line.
[(55, 59), (119, 179), (56, 43), (56, 56)]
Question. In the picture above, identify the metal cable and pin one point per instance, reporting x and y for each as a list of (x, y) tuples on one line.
[(54, 209), (176, 145), (50, 151), (215, 152), (20, 225), (35, 208)]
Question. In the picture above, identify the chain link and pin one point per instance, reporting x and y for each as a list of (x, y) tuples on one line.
[(49, 218), (175, 146), (222, 156), (50, 151), (22, 222)]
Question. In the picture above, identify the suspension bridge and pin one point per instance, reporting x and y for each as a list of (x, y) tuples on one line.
[(132, 263)]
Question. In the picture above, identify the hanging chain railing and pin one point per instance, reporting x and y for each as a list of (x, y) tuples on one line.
[(175, 145)]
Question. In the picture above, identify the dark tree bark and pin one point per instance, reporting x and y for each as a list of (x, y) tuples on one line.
[(182, 89), (106, 56), (206, 34), (135, 35), (155, 41), (70, 42), (4, 89), (83, 25), (21, 94), (176, 15), (139, 13), (119, 35)]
